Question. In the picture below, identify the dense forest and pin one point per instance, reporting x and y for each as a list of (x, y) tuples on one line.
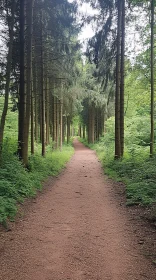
[(51, 91)]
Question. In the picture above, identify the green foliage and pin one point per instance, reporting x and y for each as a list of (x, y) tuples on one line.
[(7, 208), (138, 174), (11, 128), (137, 131), (136, 169), (137, 88), (17, 183)]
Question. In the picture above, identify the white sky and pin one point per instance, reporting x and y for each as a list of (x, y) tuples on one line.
[(87, 31), (134, 43)]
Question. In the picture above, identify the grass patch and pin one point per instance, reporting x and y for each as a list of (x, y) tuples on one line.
[(17, 183)]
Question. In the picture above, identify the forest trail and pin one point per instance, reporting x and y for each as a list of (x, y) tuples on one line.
[(75, 230)]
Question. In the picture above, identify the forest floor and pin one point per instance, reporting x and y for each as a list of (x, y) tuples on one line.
[(79, 228)]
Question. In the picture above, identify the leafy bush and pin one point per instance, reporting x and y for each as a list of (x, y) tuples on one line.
[(7, 208), (139, 176)]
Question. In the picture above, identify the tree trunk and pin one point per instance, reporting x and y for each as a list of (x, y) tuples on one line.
[(61, 124), (32, 122), (54, 123), (57, 122), (92, 123), (122, 79), (47, 111), (40, 111), (68, 129), (98, 111), (64, 129), (80, 131), (42, 88), (101, 121), (8, 72), (36, 102), (89, 125), (29, 16), (52, 116), (152, 80), (84, 132), (117, 93), (21, 115)]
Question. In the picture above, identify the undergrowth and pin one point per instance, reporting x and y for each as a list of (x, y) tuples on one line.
[(136, 169), (17, 183)]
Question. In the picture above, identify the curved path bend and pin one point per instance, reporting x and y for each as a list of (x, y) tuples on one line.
[(75, 230)]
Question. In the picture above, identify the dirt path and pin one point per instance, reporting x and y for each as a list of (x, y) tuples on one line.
[(75, 230)]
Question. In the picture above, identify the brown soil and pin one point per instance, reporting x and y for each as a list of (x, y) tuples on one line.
[(78, 229)]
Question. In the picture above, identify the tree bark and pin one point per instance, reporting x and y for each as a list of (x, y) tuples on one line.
[(57, 122), (122, 79), (42, 88), (68, 129), (47, 111), (54, 124), (80, 130), (36, 102), (92, 123), (52, 116), (21, 115), (64, 129), (117, 93), (84, 132), (32, 122), (98, 121), (29, 16), (152, 80), (40, 111), (89, 124), (61, 124)]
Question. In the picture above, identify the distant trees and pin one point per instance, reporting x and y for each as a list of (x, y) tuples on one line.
[(107, 50), (44, 66), (108, 44), (95, 104), (42, 40)]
